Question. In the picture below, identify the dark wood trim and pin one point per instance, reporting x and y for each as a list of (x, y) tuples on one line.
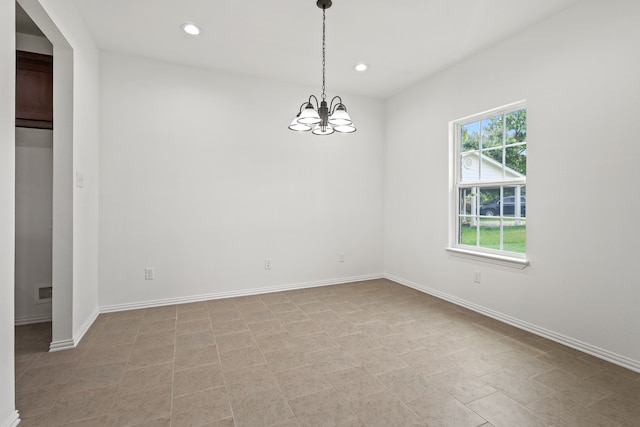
[(35, 124)]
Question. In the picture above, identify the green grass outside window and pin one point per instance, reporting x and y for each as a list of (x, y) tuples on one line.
[(513, 241)]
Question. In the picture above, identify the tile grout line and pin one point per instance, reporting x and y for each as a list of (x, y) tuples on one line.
[(224, 379), (173, 371)]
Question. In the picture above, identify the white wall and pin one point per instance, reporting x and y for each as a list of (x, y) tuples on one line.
[(85, 162), (34, 185), (201, 179), (579, 73), (8, 414)]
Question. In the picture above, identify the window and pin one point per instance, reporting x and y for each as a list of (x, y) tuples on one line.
[(489, 193)]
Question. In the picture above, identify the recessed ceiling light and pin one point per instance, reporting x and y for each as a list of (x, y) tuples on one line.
[(361, 67), (192, 29)]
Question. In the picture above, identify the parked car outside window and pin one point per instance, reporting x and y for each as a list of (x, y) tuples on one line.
[(508, 207)]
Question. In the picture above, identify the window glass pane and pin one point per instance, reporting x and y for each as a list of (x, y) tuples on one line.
[(514, 232), (470, 167), (491, 168), (516, 160), (468, 205), (508, 193), (468, 232), (470, 136), (508, 201), (490, 233), (510, 206), (489, 200), (517, 126), (492, 132)]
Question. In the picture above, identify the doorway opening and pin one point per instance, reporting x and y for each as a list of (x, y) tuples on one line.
[(34, 186)]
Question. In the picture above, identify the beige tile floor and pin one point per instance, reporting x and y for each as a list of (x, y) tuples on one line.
[(360, 354)]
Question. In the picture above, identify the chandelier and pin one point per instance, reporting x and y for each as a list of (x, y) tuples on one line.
[(323, 119)]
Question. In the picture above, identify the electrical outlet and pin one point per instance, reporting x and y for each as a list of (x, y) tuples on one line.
[(341, 257), (149, 273), (267, 264), (476, 276)]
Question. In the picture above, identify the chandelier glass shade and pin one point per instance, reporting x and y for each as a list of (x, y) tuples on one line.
[(319, 117)]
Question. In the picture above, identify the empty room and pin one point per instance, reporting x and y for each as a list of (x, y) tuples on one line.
[(319, 213)]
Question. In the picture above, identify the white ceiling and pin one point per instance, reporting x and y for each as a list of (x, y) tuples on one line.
[(402, 41)]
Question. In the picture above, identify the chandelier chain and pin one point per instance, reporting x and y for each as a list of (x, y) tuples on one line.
[(324, 96)]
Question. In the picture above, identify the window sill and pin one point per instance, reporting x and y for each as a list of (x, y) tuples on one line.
[(503, 260)]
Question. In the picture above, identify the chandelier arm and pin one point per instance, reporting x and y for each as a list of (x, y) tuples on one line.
[(333, 107), (317, 103)]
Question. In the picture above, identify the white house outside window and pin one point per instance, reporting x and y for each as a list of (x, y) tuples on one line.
[(489, 194)]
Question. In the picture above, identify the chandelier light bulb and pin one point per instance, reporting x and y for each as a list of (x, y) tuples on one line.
[(344, 129), (328, 130), (299, 127), (309, 116), (340, 116)]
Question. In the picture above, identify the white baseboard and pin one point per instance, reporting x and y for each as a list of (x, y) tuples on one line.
[(72, 343), (62, 345), (21, 321), (600, 353), (12, 421), (85, 327), (230, 294)]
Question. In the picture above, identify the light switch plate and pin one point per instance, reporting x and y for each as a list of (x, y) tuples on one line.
[(79, 180)]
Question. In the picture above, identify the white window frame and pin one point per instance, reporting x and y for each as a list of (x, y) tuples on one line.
[(505, 258)]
